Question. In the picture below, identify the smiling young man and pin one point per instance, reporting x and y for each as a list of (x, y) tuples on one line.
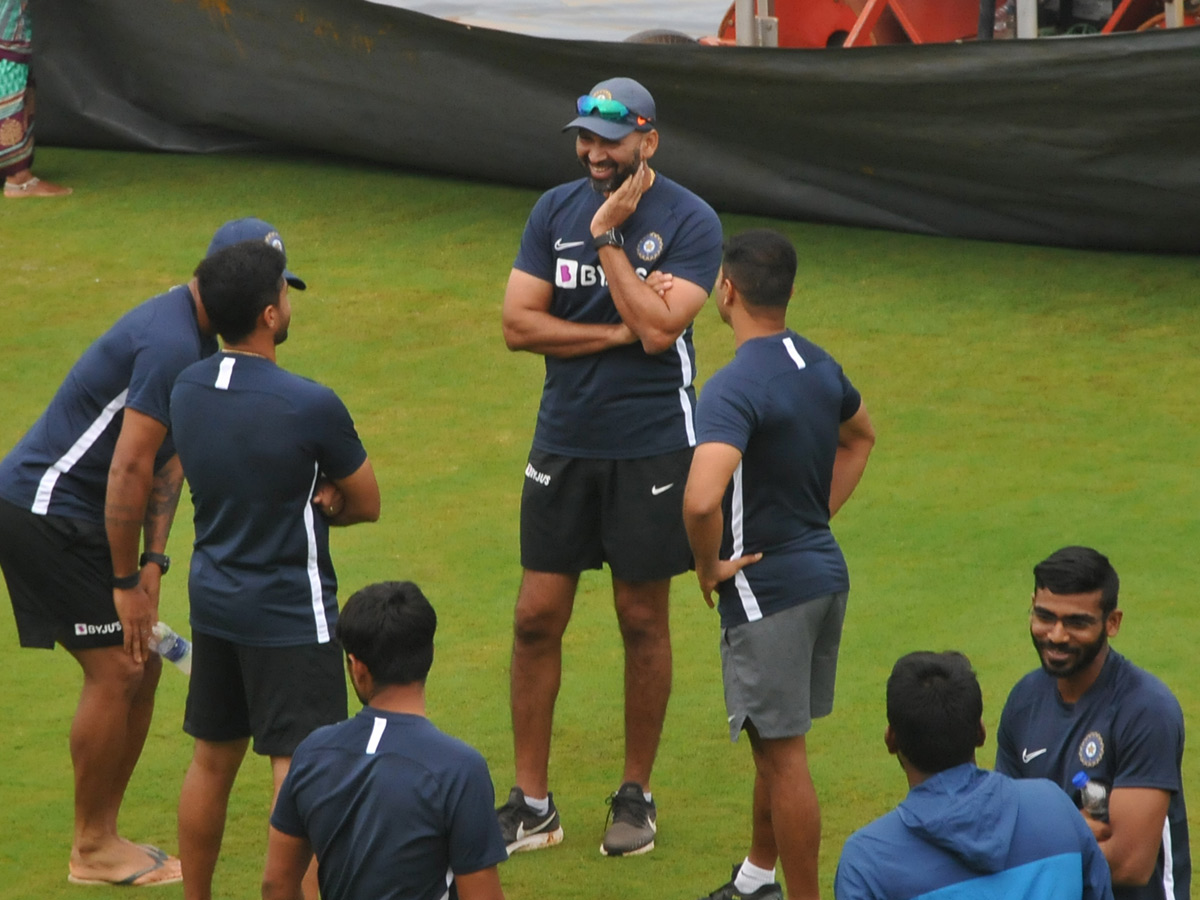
[(1090, 710), (614, 437)]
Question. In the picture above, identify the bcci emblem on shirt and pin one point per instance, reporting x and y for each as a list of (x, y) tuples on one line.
[(1091, 749)]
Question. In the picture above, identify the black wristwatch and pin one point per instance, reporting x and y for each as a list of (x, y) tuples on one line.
[(159, 559), (610, 238)]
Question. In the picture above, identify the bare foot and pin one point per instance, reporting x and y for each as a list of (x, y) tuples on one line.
[(34, 187), (135, 865)]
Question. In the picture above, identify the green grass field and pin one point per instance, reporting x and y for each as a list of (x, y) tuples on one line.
[(1024, 398)]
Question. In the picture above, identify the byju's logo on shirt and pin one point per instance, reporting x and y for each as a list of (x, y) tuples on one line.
[(82, 629), (571, 273)]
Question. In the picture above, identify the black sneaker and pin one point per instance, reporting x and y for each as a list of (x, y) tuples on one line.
[(634, 822), (772, 891), (524, 828)]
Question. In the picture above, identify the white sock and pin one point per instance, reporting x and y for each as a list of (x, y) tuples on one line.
[(750, 877), (540, 805)]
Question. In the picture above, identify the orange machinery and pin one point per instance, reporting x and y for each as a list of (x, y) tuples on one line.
[(859, 23)]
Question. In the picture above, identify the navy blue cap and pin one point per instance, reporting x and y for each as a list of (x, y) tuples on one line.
[(624, 90), (251, 229)]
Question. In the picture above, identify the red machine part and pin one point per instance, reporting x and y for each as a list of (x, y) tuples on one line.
[(859, 23), (802, 23)]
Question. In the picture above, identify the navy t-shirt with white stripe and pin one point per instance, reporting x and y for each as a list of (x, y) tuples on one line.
[(621, 403), (252, 438), (1126, 731), (60, 467), (393, 807), (781, 401)]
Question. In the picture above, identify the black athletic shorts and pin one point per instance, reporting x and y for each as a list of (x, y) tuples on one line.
[(59, 575), (579, 513), (277, 695)]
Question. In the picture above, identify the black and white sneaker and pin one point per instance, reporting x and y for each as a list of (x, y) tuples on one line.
[(728, 891), (524, 828), (634, 822)]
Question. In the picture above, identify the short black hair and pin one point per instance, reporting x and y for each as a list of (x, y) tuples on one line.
[(389, 627), (761, 263), (1079, 570), (934, 706), (237, 283)]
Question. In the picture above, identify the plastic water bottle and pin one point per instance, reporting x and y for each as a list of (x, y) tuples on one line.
[(1006, 20), (1093, 796), (172, 647)]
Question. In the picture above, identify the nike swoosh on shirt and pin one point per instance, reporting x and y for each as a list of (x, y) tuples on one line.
[(655, 489), (560, 244), (1026, 756)]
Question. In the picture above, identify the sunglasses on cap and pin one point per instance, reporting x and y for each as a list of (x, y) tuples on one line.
[(608, 109)]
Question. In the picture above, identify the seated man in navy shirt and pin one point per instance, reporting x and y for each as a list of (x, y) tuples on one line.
[(1090, 710), (393, 807)]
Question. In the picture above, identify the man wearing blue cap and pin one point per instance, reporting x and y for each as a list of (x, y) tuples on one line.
[(272, 461), (86, 502), (614, 437)]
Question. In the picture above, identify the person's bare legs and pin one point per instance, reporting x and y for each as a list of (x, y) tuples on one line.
[(643, 615), (279, 768), (764, 853), (108, 732), (203, 804), (785, 800), (544, 604)]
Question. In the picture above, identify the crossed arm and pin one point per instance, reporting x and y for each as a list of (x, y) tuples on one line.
[(654, 317), (349, 500)]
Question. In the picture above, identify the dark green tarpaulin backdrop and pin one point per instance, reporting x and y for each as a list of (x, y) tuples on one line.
[(1081, 142)]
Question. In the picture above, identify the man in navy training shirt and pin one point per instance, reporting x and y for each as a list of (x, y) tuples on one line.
[(783, 441), (613, 441), (394, 808), (1090, 710), (272, 461), (86, 503), (963, 832)]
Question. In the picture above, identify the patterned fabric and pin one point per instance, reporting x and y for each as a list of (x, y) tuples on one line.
[(16, 33), (16, 137)]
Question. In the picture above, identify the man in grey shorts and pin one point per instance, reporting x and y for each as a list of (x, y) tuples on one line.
[(782, 441)]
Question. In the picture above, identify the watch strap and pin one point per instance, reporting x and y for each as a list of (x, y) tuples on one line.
[(610, 238), (159, 559)]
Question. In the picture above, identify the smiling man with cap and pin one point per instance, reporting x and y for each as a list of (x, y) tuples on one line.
[(614, 437), (87, 498)]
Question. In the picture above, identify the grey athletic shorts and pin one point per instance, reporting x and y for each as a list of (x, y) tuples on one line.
[(779, 671)]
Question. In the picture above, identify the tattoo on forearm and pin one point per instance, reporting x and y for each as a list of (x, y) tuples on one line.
[(160, 506)]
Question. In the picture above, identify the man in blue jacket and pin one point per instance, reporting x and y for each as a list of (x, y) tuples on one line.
[(963, 832)]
